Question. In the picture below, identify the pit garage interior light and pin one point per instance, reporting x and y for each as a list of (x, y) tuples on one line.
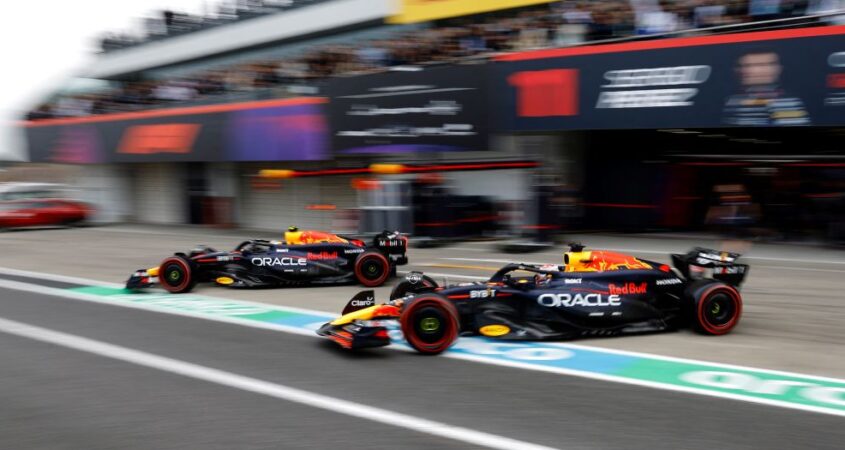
[(396, 169)]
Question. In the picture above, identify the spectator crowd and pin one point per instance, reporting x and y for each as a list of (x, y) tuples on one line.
[(173, 23), (561, 23)]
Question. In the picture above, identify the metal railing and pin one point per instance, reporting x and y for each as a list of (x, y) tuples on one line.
[(197, 23)]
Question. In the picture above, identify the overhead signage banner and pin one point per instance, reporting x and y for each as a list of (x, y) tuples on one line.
[(275, 130), (434, 110), (787, 80), (412, 11)]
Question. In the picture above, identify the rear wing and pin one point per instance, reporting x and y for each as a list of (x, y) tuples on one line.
[(707, 263), (393, 245)]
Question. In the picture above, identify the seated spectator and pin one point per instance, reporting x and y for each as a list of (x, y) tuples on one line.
[(658, 19), (827, 7), (562, 23), (764, 9), (173, 91)]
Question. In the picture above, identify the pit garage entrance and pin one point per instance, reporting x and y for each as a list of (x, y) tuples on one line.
[(775, 182)]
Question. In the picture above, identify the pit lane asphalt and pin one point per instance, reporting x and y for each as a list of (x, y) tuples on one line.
[(53, 397), (794, 306)]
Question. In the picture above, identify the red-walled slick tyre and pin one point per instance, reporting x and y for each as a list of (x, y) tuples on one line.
[(176, 275), (372, 269), (430, 324), (717, 308)]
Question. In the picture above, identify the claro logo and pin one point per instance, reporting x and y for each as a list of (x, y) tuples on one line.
[(268, 262), (370, 301), (568, 300)]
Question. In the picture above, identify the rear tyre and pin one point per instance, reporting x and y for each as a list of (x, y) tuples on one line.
[(405, 287), (176, 275), (717, 308), (430, 324), (372, 269)]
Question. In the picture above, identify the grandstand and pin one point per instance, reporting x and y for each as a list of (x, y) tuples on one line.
[(255, 45), (170, 24)]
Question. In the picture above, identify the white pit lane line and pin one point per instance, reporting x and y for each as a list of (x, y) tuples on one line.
[(267, 388), (480, 358)]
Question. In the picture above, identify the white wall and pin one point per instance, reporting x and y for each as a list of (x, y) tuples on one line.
[(503, 185), (223, 179), (107, 188), (12, 147), (159, 193)]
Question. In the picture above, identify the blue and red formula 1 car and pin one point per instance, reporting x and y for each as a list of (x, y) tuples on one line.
[(595, 293), (303, 258)]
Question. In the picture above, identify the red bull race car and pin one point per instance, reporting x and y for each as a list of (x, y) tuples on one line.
[(303, 258), (595, 293)]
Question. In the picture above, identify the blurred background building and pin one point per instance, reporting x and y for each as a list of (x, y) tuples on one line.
[(515, 117)]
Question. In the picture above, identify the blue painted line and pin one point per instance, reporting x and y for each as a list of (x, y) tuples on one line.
[(539, 354), (300, 320)]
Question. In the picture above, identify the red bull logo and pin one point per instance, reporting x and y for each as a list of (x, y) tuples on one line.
[(628, 289), (321, 256)]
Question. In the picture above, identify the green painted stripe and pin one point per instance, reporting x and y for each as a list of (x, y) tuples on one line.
[(769, 387), (101, 291), (810, 391), (208, 306)]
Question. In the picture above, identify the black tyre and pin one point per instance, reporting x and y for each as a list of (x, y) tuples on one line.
[(405, 287), (716, 309), (430, 324), (176, 275), (372, 269)]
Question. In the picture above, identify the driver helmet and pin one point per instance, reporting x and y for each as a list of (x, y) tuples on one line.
[(293, 235)]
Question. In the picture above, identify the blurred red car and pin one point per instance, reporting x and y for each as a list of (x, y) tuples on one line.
[(41, 212)]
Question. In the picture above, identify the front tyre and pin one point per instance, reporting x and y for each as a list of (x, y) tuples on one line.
[(717, 308), (430, 324), (176, 275), (372, 269)]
